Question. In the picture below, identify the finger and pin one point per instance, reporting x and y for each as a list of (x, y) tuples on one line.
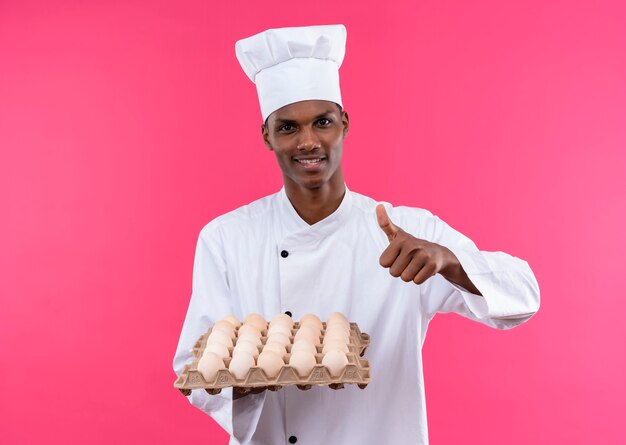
[(412, 269), (389, 255), (385, 223), (425, 273), (400, 264)]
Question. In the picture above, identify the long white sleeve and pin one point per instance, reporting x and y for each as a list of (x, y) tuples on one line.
[(510, 293), (210, 302)]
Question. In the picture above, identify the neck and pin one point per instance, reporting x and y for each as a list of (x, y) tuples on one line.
[(315, 204)]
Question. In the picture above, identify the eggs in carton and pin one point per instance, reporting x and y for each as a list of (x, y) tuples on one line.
[(256, 354)]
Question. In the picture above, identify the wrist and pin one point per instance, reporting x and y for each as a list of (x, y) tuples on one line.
[(452, 266), (453, 271)]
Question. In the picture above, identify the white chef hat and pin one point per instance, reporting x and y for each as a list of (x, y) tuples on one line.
[(289, 65)]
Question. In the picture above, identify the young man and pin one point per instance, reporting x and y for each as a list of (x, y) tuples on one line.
[(317, 247)]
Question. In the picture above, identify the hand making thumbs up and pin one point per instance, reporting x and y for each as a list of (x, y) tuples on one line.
[(410, 258)]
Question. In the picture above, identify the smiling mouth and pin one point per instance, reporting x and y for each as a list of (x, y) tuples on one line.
[(310, 161)]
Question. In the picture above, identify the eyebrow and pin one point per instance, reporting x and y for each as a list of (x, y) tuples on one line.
[(293, 121)]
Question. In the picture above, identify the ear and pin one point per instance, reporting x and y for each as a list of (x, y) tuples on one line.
[(345, 121), (266, 136)]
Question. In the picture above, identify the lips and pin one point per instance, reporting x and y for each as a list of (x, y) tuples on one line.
[(310, 162)]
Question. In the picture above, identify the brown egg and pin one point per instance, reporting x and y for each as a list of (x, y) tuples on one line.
[(233, 320), (339, 326), (225, 327), (240, 365), (283, 319), (335, 345), (309, 333), (218, 349), (337, 335), (337, 316), (279, 328), (251, 328), (246, 347), (252, 338), (256, 320), (279, 337), (304, 345), (335, 362), (271, 363), (220, 337), (276, 347), (313, 328), (311, 319), (332, 330), (302, 362), (208, 366)]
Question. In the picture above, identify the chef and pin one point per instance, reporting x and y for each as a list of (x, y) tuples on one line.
[(317, 247)]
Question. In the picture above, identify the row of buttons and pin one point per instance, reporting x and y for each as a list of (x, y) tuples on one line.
[(285, 254)]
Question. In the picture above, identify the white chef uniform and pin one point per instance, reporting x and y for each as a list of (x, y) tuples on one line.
[(264, 258)]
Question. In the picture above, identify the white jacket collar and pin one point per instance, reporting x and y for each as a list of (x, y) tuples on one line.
[(295, 226)]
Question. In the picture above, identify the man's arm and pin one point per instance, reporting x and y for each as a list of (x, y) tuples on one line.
[(211, 301), (493, 288)]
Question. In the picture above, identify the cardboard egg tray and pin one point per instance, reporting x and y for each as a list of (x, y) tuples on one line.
[(357, 370)]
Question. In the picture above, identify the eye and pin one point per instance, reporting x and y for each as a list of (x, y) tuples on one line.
[(286, 128), (324, 122)]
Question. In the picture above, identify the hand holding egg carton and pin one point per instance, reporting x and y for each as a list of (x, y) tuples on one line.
[(256, 355)]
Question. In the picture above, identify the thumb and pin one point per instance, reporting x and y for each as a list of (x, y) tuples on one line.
[(385, 223)]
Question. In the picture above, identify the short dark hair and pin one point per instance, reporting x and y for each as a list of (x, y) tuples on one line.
[(338, 106)]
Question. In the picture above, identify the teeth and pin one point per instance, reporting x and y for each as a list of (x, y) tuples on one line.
[(309, 161)]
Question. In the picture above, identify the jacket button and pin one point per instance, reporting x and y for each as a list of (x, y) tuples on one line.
[(293, 439), (288, 313), (284, 254)]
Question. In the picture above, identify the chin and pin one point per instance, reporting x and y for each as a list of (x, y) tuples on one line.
[(312, 185), (311, 182)]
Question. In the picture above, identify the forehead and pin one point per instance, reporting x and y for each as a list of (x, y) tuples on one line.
[(304, 110)]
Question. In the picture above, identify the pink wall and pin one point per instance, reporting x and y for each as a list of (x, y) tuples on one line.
[(126, 126)]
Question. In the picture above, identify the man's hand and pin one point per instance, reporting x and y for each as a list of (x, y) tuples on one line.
[(410, 258), (239, 393), (414, 259)]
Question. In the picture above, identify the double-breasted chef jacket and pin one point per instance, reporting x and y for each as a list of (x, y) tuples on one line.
[(264, 258)]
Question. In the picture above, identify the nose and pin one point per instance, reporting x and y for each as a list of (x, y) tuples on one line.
[(308, 140)]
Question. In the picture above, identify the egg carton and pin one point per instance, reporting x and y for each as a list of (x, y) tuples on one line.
[(357, 370), (358, 341)]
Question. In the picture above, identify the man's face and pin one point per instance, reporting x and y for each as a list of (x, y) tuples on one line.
[(307, 139)]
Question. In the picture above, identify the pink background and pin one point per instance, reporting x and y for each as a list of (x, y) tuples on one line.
[(127, 126)]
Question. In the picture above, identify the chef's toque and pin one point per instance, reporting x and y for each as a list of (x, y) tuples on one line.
[(289, 65)]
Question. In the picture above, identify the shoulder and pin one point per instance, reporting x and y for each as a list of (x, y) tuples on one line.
[(367, 206), (419, 222), (240, 219)]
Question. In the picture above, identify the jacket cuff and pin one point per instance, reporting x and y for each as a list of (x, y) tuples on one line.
[(502, 292)]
